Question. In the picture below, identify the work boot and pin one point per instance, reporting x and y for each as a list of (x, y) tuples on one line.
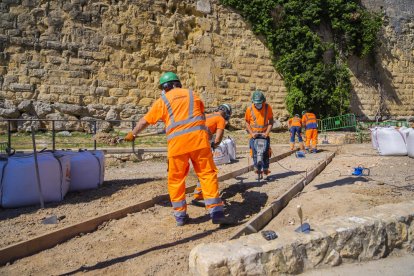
[(180, 221), (266, 173), (307, 150), (219, 218), (198, 202), (314, 151)]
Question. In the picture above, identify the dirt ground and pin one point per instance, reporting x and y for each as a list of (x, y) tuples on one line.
[(336, 192), (149, 243)]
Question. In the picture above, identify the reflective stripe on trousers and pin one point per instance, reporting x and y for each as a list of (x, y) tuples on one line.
[(206, 171)]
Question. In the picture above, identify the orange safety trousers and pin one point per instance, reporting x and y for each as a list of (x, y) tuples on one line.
[(206, 170), (311, 134)]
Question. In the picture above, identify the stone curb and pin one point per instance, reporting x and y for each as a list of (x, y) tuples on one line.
[(371, 235)]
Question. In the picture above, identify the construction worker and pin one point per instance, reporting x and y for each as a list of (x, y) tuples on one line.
[(216, 123), (295, 127), (311, 128), (259, 122), (183, 114)]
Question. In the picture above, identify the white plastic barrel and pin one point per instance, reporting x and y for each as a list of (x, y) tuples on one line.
[(231, 148), (390, 142), (410, 143), (86, 170), (19, 182), (221, 155)]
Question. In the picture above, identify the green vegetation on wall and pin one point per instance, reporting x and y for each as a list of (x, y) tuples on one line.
[(310, 41)]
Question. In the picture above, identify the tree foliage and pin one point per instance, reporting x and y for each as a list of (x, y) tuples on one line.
[(313, 67)]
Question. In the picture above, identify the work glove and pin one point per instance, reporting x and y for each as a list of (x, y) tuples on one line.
[(129, 137), (213, 145)]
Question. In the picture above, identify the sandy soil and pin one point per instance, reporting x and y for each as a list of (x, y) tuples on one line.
[(149, 243), (335, 192)]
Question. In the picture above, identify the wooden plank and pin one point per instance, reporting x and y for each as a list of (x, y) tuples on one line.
[(48, 240), (259, 221)]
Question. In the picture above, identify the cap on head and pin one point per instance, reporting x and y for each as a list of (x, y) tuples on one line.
[(297, 115), (303, 112), (168, 77), (226, 108), (258, 97)]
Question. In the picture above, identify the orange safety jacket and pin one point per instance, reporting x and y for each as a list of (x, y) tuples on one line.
[(184, 117), (256, 127), (212, 122), (309, 120), (295, 121)]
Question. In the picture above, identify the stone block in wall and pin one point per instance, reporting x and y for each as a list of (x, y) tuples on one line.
[(70, 109), (70, 99), (118, 92), (109, 100), (59, 89), (128, 100), (146, 102), (21, 87), (79, 90), (108, 83)]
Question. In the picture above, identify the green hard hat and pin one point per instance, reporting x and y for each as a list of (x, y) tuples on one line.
[(303, 112), (258, 97), (167, 77)]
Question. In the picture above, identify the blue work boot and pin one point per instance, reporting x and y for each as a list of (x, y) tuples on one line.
[(314, 151), (219, 218), (180, 221)]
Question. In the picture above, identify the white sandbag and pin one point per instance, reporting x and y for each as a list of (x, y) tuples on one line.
[(221, 155), (101, 159), (390, 142), (410, 142), (373, 140), (85, 170), (19, 182), (231, 148), (404, 130)]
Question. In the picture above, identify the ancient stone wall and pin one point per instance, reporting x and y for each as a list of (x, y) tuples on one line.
[(384, 87), (82, 59)]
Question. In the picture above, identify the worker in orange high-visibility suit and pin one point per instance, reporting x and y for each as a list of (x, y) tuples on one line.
[(295, 127), (259, 122), (183, 114), (215, 123), (311, 127)]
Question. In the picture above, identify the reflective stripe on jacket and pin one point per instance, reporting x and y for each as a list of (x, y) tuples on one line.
[(309, 120), (177, 103), (256, 127), (295, 121)]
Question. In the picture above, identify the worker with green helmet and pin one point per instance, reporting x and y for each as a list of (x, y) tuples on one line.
[(215, 123), (259, 123), (182, 111)]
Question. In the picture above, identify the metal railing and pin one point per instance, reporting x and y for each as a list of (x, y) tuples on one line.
[(55, 126), (337, 123)]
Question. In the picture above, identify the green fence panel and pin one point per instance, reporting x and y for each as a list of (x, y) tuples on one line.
[(337, 122)]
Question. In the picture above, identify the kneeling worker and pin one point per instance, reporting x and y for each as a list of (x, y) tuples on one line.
[(259, 123), (295, 127), (183, 114), (216, 123)]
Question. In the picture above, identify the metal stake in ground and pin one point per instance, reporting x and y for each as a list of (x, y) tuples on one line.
[(39, 186)]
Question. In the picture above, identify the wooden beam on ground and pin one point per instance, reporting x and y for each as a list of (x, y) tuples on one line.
[(48, 240), (259, 221)]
